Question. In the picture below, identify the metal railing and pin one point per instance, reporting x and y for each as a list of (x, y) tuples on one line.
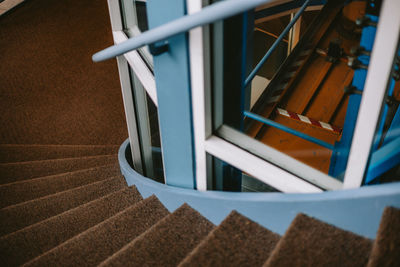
[(207, 15), (276, 43)]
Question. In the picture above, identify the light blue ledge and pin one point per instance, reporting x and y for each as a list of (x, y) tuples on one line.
[(356, 210)]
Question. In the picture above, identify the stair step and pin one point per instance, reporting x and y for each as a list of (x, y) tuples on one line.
[(386, 248), (13, 172), (166, 243), (101, 241), (21, 191), (310, 242), (27, 213), (237, 241), (19, 152), (23, 245)]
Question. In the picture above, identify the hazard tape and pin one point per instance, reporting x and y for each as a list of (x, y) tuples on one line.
[(308, 120)]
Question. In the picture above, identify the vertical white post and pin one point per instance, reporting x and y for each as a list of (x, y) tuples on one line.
[(123, 69), (294, 34), (198, 96), (377, 81)]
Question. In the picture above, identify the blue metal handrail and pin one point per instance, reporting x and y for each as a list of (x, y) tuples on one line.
[(287, 129), (207, 15), (276, 43)]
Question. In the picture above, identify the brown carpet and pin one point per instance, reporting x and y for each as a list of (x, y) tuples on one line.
[(19, 153), (94, 245), (237, 241), (386, 249), (14, 193), (18, 171), (166, 243), (21, 246), (15, 217), (310, 242), (50, 90)]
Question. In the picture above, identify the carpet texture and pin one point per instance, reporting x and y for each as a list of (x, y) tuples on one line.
[(19, 153), (15, 217), (386, 248), (237, 241), (94, 245), (27, 243), (183, 229), (310, 242), (18, 171), (17, 192), (50, 90)]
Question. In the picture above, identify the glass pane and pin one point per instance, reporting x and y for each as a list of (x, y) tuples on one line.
[(303, 101), (135, 22), (148, 128)]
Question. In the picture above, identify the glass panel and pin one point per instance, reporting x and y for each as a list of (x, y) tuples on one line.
[(229, 178), (302, 102), (384, 163), (134, 22), (148, 128)]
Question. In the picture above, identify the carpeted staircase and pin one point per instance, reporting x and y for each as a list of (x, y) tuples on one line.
[(70, 206)]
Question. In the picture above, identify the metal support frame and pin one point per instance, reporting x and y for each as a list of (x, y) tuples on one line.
[(341, 150), (171, 70), (288, 130)]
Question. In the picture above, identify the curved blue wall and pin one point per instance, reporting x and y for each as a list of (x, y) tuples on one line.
[(356, 210)]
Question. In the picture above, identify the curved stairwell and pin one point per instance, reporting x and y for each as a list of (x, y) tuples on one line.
[(89, 216), (69, 205)]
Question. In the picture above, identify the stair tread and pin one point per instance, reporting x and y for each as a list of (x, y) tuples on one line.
[(15, 217), (386, 248), (23, 245), (21, 191), (97, 243), (28, 152), (237, 241), (18, 171), (310, 242), (175, 236)]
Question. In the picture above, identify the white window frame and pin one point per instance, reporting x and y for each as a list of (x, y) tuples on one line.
[(265, 171)]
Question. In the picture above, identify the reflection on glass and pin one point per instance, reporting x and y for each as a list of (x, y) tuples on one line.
[(135, 22), (148, 130), (141, 14)]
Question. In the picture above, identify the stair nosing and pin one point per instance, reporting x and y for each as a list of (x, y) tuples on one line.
[(64, 191), (65, 212), (58, 174), (59, 159), (119, 214)]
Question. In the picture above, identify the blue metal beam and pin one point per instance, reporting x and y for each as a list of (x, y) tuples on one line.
[(276, 43), (285, 7), (394, 129), (288, 130), (340, 153), (171, 71), (384, 159)]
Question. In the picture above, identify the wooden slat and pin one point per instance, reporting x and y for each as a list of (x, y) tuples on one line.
[(315, 86)]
